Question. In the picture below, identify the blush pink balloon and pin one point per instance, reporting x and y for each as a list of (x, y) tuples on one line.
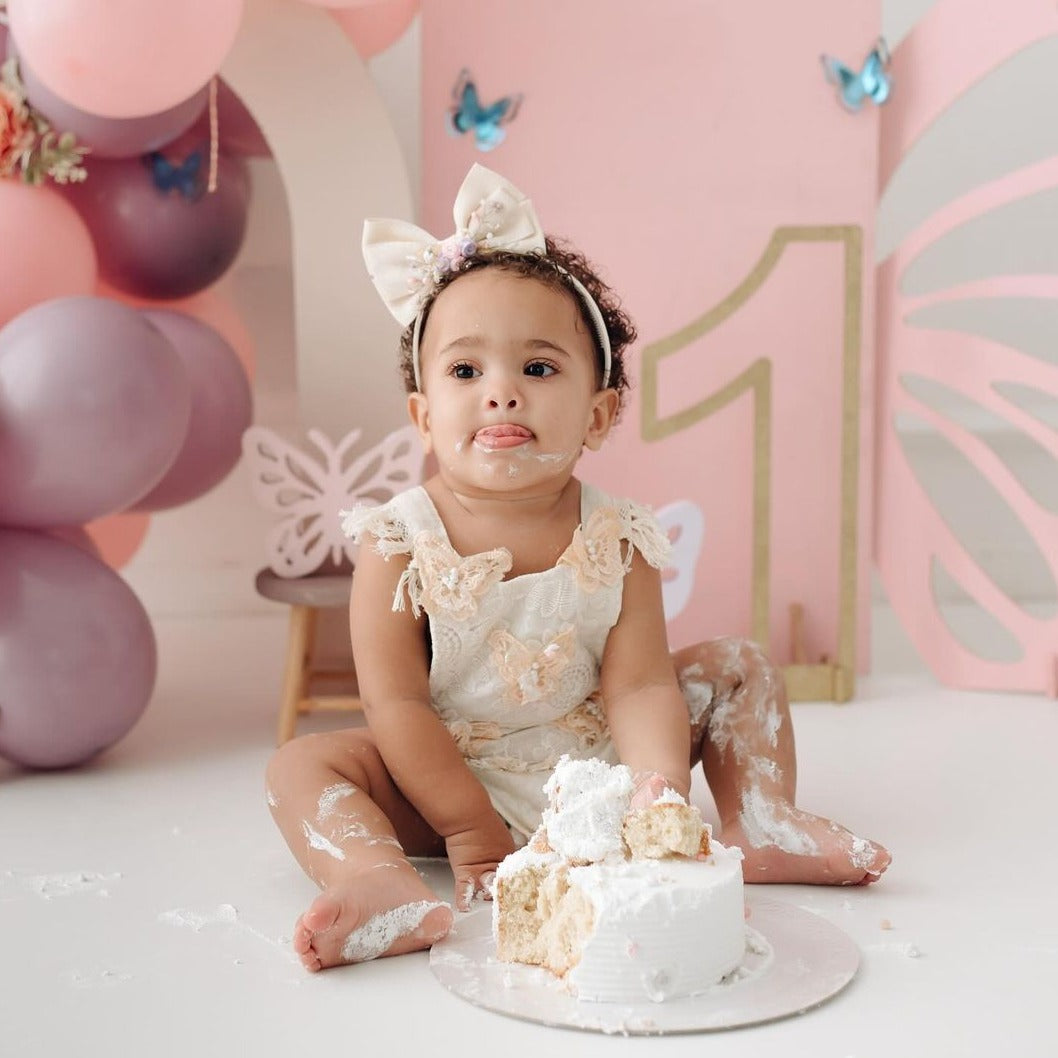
[(162, 244), (221, 411), (125, 58), (78, 658), (111, 137), (94, 407), (46, 250), (374, 27)]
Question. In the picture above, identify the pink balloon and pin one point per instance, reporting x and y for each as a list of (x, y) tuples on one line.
[(125, 58), (221, 411), (213, 306), (118, 537), (169, 241), (78, 536), (77, 653), (373, 27), (46, 250), (111, 137), (94, 407)]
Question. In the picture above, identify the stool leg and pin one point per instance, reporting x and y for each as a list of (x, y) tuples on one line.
[(299, 646)]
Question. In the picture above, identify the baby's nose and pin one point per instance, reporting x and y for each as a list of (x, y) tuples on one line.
[(499, 402)]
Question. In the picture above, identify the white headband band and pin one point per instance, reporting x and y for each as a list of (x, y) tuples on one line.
[(406, 263)]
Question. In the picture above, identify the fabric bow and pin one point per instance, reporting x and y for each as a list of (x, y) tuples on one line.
[(405, 262)]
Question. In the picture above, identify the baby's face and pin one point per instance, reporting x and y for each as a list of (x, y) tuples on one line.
[(509, 394)]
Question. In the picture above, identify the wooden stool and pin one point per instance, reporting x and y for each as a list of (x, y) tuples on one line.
[(325, 590)]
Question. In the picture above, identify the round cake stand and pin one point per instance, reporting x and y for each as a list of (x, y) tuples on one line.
[(795, 960)]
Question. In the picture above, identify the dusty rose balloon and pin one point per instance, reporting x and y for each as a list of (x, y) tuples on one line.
[(164, 241), (221, 411), (77, 653), (46, 250), (111, 137), (94, 407), (124, 60)]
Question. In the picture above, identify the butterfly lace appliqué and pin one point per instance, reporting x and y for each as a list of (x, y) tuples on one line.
[(594, 553), (440, 579), (531, 670)]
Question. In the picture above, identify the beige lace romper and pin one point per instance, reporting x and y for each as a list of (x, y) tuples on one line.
[(515, 667)]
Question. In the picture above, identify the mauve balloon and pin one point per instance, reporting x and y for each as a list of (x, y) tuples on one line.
[(94, 407), (110, 137), (221, 410), (162, 243), (77, 653), (237, 129)]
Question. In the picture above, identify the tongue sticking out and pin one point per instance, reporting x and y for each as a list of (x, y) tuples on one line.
[(507, 436)]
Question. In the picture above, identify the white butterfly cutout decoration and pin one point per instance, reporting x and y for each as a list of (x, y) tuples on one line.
[(684, 524), (308, 493)]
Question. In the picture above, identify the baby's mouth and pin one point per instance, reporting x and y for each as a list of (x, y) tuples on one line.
[(506, 435)]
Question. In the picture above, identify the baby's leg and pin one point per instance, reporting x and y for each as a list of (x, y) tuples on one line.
[(349, 826), (741, 732)]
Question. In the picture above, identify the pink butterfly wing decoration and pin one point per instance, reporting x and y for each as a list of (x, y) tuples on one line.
[(307, 492), (915, 545)]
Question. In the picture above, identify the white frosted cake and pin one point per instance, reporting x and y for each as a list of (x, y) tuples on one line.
[(625, 904)]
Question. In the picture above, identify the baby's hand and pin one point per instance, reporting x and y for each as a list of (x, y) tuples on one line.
[(474, 855), (649, 786)]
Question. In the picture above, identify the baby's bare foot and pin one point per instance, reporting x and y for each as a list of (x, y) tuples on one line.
[(783, 844), (386, 910)]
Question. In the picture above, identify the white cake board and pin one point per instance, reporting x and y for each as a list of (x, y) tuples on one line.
[(802, 961)]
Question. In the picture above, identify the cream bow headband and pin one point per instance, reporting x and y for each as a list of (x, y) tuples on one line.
[(406, 263)]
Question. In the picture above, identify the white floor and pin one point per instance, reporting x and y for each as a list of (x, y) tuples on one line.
[(146, 901)]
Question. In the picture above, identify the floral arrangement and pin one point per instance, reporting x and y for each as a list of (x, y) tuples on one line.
[(29, 147)]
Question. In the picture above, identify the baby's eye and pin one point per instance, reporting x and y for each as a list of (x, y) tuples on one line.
[(540, 369), (464, 370)]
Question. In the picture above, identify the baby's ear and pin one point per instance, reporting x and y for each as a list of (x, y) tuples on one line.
[(603, 414), (419, 413)]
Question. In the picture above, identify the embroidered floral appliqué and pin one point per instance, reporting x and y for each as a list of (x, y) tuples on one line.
[(447, 581), (531, 670), (594, 554)]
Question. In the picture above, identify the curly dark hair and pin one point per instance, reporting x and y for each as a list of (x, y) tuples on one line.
[(546, 268)]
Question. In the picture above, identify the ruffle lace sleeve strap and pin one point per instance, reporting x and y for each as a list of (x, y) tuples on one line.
[(640, 527), (385, 524)]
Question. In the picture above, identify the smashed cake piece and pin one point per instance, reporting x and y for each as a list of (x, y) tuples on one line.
[(623, 904)]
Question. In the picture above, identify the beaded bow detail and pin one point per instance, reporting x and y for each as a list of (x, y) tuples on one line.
[(406, 263)]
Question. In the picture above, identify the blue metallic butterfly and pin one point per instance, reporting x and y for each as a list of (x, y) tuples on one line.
[(872, 82), (466, 114), (187, 177)]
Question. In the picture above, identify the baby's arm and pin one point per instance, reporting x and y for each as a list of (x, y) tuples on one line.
[(644, 708), (393, 673)]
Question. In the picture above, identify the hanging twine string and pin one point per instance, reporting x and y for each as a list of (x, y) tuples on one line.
[(214, 136)]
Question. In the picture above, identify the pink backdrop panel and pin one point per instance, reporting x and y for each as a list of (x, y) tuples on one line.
[(912, 536), (670, 142)]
